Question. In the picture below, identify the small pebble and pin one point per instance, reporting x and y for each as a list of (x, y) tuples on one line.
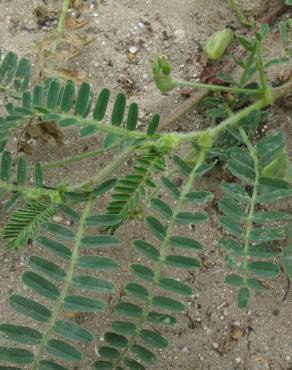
[(185, 350), (215, 345), (180, 35), (133, 49), (57, 219)]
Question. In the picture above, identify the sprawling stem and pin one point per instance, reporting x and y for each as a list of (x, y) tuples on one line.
[(25, 189), (60, 30), (211, 87), (107, 170), (230, 121), (238, 12), (268, 94), (74, 158), (250, 217), (164, 247), (67, 285)]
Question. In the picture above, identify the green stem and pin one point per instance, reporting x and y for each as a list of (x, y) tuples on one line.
[(250, 217), (58, 308), (238, 12), (60, 30), (164, 247), (268, 93), (230, 121), (25, 189), (211, 87), (75, 158), (107, 170)]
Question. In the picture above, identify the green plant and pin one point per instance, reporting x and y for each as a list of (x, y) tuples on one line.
[(255, 236)]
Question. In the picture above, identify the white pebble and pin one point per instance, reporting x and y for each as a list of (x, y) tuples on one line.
[(133, 49), (180, 34)]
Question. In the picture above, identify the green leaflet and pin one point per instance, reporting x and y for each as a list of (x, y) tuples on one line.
[(128, 309), (116, 340), (132, 119), (155, 227), (70, 330), (50, 365), (123, 327), (21, 174), (16, 355), (40, 285), (175, 286), (100, 241), (96, 263), (21, 334), (55, 247), (29, 308), (264, 269), (153, 339), (146, 249), (144, 354), (243, 298), (137, 290), (47, 268), (101, 105), (63, 351), (77, 303), (92, 284), (5, 167)]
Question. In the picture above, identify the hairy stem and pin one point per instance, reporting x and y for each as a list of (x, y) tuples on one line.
[(74, 158), (164, 247), (217, 87), (230, 121), (263, 78), (60, 31), (58, 308), (250, 217), (107, 170), (238, 12)]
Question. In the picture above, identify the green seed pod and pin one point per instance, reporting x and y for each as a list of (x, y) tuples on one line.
[(162, 75), (217, 43)]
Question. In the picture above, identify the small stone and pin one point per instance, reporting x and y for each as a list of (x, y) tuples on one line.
[(185, 350), (180, 34), (57, 219), (215, 345), (238, 360), (288, 358), (141, 25), (133, 49)]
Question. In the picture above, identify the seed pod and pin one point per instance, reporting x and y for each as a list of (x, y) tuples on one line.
[(217, 43), (162, 75)]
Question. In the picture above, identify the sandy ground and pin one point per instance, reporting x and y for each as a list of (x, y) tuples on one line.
[(204, 336)]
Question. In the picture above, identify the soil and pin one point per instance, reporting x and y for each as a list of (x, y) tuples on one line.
[(126, 35)]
